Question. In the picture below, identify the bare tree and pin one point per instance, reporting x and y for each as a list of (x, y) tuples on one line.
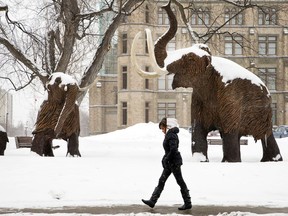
[(62, 38)]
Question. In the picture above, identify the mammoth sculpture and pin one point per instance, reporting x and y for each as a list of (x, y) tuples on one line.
[(3, 140), (225, 95), (58, 116)]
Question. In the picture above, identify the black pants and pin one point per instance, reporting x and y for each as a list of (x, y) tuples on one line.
[(176, 170)]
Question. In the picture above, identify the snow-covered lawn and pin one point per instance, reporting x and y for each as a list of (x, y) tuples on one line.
[(122, 167)]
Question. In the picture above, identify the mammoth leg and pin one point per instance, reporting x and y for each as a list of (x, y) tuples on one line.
[(2, 148), (271, 150), (38, 142), (73, 145), (231, 147), (41, 144), (48, 151), (199, 141)]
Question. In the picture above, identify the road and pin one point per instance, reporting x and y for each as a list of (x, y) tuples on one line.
[(111, 210)]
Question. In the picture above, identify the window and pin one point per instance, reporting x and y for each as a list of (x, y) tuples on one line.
[(147, 14), (233, 45), (124, 43), (147, 80), (268, 76), (171, 46), (165, 82), (124, 77), (267, 16), (163, 17), (147, 112), (267, 45), (124, 113), (200, 16), (166, 110), (231, 18)]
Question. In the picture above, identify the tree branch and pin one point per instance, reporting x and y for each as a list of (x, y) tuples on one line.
[(91, 73), (22, 58), (71, 22)]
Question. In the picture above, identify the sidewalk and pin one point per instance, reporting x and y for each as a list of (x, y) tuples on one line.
[(135, 209)]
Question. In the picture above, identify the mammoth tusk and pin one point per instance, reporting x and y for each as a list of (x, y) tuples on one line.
[(160, 71), (147, 75)]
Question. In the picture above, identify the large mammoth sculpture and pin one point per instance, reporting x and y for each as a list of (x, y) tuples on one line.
[(3, 140), (225, 95), (58, 116)]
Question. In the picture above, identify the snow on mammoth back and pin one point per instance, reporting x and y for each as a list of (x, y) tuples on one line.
[(230, 70)]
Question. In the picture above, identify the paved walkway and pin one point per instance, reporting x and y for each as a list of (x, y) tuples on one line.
[(195, 211)]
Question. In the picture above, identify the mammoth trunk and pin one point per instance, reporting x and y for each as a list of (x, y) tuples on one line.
[(160, 46)]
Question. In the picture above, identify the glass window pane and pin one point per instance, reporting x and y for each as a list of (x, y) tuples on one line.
[(228, 48), (261, 38), (193, 19), (262, 48), (271, 83), (207, 19), (161, 83), (271, 38), (171, 105), (240, 19), (226, 17), (171, 113), (171, 46), (170, 80), (238, 49), (271, 48)]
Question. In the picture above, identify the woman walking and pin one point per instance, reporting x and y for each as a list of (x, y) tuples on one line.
[(171, 163)]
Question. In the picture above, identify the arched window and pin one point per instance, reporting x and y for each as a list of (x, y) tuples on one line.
[(200, 16), (163, 17), (232, 17), (267, 16)]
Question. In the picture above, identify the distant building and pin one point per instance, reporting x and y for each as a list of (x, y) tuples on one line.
[(256, 39), (6, 105)]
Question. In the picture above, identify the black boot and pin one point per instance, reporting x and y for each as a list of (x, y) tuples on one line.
[(187, 200), (155, 195), (150, 203)]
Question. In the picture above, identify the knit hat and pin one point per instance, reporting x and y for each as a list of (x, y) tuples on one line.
[(171, 123)]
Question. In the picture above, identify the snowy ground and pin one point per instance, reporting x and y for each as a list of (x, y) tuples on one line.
[(122, 167)]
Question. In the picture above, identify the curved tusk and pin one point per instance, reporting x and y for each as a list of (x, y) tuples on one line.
[(160, 71), (142, 73)]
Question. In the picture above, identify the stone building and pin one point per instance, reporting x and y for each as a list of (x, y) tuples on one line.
[(6, 113), (254, 37)]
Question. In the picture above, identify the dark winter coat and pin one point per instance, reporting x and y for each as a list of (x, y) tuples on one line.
[(172, 156), (3, 141)]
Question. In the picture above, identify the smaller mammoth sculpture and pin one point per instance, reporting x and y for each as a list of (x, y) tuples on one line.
[(225, 95), (3, 140), (58, 116)]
